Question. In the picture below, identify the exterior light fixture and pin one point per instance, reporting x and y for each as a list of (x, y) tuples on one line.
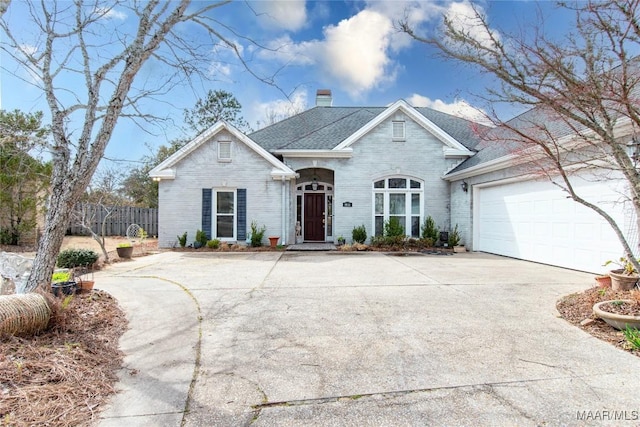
[(465, 186), (314, 184)]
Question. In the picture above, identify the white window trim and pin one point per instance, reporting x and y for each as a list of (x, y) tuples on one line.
[(404, 130), (225, 159), (214, 214), (386, 191)]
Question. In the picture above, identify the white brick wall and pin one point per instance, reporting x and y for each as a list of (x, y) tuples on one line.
[(180, 200), (376, 156)]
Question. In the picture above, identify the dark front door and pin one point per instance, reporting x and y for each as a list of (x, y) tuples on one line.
[(314, 217)]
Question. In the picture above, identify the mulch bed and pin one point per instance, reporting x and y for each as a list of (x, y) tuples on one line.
[(65, 375), (577, 309)]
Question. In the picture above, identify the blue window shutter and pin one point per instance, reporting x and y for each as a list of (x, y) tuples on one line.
[(242, 214), (206, 211)]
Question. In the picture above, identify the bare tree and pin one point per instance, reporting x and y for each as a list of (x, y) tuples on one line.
[(86, 215), (87, 41), (583, 93), (100, 201)]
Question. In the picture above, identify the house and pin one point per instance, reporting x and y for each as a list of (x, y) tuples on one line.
[(329, 169)]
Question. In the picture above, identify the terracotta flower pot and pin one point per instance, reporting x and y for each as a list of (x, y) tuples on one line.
[(603, 281), (273, 241), (622, 282), (86, 286)]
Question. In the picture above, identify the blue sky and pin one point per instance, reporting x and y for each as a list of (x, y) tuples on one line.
[(349, 47)]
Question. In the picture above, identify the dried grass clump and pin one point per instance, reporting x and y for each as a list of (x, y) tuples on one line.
[(63, 376), (23, 314)]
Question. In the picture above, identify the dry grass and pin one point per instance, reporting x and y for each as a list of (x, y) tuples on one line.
[(63, 377)]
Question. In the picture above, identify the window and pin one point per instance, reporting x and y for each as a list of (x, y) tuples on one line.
[(398, 130), (400, 198), (224, 151), (225, 215)]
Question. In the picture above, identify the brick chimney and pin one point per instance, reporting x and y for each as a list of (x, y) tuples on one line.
[(323, 98)]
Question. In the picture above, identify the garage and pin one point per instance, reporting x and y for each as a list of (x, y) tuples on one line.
[(535, 221)]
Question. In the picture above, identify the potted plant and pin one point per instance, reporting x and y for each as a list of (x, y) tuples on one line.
[(454, 240), (341, 241), (201, 239), (84, 279), (625, 277), (273, 241), (61, 283), (125, 250), (620, 314), (603, 281)]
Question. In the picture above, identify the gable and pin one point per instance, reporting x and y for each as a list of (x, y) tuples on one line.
[(397, 111), (167, 169)]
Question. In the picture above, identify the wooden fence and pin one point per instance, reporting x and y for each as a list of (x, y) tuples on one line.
[(117, 223)]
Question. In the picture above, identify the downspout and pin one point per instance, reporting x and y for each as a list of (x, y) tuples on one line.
[(284, 212)]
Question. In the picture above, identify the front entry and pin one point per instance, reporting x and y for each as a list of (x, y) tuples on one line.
[(314, 217)]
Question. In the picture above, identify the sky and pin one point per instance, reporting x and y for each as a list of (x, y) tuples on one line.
[(352, 48)]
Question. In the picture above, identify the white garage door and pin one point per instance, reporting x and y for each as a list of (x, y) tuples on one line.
[(535, 221)]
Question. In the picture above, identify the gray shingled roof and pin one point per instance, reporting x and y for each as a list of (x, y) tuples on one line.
[(500, 141), (323, 128)]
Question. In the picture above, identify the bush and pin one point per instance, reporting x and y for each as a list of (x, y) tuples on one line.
[(183, 240), (257, 234), (61, 276), (429, 230), (125, 245), (201, 237), (7, 237), (454, 237), (72, 258), (213, 244), (393, 228), (427, 242), (359, 234)]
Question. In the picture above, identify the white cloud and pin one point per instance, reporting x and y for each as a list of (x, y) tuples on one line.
[(292, 53), (459, 108), (464, 18), (411, 11), (111, 14), (267, 113), (289, 15), (28, 49), (356, 51)]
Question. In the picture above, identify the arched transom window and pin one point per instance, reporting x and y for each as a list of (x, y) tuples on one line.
[(401, 198)]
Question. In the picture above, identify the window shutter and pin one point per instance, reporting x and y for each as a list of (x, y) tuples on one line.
[(206, 211), (241, 215)]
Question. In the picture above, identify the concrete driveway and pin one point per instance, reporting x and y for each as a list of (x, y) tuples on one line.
[(362, 339)]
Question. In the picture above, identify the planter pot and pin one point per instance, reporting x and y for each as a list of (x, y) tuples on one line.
[(459, 249), (622, 282), (86, 286), (126, 252), (618, 321), (197, 245), (273, 241), (63, 288), (603, 281)]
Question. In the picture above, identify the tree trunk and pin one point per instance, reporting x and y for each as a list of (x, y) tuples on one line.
[(56, 223)]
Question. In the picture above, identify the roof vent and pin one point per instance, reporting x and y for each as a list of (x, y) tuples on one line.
[(323, 98)]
